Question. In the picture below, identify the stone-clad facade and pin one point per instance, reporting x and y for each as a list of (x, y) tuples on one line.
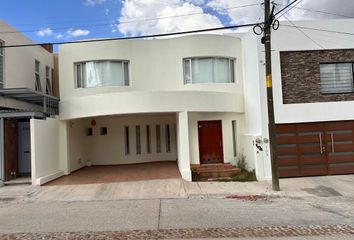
[(300, 74)]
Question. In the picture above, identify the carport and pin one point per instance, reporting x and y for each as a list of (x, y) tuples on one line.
[(120, 173), (120, 148)]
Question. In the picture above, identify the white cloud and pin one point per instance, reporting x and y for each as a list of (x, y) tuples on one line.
[(334, 9), (77, 32), (72, 33), (141, 17), (196, 2), (251, 14), (106, 11), (94, 2), (59, 36), (238, 11), (142, 10), (44, 32)]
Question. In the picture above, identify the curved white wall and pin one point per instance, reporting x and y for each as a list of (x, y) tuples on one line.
[(156, 77)]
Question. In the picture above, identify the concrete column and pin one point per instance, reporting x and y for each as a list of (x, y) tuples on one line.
[(183, 146), (33, 153), (63, 147)]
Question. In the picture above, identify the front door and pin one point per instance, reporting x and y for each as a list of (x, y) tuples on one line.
[(24, 148), (210, 142), (10, 149)]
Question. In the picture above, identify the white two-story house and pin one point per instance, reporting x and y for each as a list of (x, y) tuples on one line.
[(136, 101)]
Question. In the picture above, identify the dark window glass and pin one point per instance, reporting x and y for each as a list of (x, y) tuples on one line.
[(158, 139), (127, 145), (148, 139), (137, 137)]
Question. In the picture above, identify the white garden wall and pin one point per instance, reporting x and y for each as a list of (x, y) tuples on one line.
[(45, 162)]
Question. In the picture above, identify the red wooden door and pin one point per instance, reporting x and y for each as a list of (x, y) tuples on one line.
[(210, 142), (10, 149)]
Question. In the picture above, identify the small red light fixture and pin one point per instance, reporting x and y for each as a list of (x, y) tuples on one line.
[(93, 122)]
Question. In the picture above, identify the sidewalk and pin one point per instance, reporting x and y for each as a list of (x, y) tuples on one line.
[(328, 186)]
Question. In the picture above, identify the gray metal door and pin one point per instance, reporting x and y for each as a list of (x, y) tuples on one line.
[(24, 147)]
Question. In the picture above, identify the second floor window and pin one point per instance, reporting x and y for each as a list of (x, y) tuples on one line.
[(336, 77), (38, 85), (209, 70), (48, 86), (101, 74)]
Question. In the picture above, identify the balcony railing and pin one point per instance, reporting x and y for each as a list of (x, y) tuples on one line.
[(37, 101)]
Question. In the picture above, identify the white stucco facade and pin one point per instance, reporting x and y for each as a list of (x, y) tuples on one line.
[(156, 89)]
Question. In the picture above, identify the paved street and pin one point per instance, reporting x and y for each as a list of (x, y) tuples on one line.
[(317, 212)]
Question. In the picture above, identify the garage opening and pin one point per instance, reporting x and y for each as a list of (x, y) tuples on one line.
[(122, 148), (314, 149)]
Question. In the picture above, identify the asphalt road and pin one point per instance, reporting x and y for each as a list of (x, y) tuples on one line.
[(34, 217)]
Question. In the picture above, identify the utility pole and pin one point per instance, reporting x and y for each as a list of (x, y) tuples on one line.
[(268, 21)]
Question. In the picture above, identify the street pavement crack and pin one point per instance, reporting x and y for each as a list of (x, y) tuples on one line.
[(159, 217), (328, 210)]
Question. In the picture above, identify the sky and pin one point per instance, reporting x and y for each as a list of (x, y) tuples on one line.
[(69, 20)]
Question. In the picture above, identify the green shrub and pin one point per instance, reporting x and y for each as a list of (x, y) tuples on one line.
[(241, 162)]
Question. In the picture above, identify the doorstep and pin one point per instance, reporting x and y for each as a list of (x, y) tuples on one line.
[(19, 180)]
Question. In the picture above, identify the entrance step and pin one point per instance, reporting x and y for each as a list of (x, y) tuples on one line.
[(20, 180), (207, 172)]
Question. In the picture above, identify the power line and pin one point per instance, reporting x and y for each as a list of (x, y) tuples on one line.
[(321, 30), (284, 8), (318, 11), (135, 37), (297, 3), (306, 35), (131, 21)]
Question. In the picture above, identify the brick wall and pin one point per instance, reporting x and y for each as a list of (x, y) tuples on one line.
[(300, 71)]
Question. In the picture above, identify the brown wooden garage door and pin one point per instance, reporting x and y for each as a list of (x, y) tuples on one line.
[(310, 149)]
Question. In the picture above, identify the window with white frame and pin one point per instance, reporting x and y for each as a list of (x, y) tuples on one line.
[(209, 70), (38, 85), (48, 86), (101, 73), (1, 64), (336, 77)]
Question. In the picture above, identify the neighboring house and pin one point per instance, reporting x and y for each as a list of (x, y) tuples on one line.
[(313, 97), (25, 93), (201, 99), (317, 85)]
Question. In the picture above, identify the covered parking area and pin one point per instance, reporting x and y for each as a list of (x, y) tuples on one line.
[(120, 173), (120, 148)]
